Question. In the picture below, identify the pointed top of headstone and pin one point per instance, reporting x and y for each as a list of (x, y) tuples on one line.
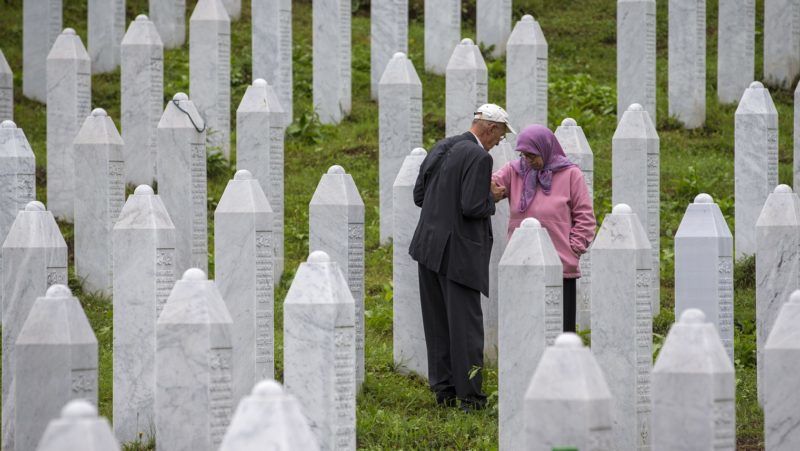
[(4, 67), (34, 205), (336, 187), (703, 198), (195, 300), (79, 427), (320, 281), (783, 189), (400, 71), (466, 56), (267, 388), (78, 409), (98, 128), (13, 143), (784, 333), (181, 113), (527, 32), (144, 190), (531, 223), (703, 218), (57, 318), (531, 245), (142, 31), (260, 97), (407, 175), (635, 124), (572, 139), (569, 122), (144, 210), (68, 46), (34, 227), (58, 291), (213, 10), (622, 230), (419, 151), (756, 100), (243, 194), (782, 208), (693, 346)]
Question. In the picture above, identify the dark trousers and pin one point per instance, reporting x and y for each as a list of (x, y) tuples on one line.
[(570, 296), (453, 323)]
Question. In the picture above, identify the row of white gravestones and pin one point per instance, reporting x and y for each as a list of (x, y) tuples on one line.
[(169, 17), (526, 74), (781, 362), (319, 350), (781, 42), (210, 70), (388, 35), (41, 25), (636, 55), (493, 25), (332, 90), (466, 87), (234, 8), (78, 427), (399, 129), (530, 269), (35, 257), (755, 162), (142, 87), (336, 226), (635, 164), (6, 90), (687, 62), (272, 50), (442, 33), (735, 48), (106, 24), (69, 94)]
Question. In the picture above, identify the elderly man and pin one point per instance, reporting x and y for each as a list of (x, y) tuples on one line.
[(452, 245)]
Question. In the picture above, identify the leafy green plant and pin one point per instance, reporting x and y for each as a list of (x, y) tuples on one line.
[(306, 129), (586, 99)]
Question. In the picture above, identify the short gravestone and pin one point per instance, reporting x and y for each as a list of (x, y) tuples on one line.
[(568, 403), (336, 226), (272, 50), (399, 129), (183, 186), (704, 266), (6, 90), (332, 90), (56, 361), (100, 191), (781, 42), (319, 349), (34, 256), (210, 71), (442, 33), (526, 74), (736, 48), (169, 17), (234, 8), (687, 62), (622, 338), (781, 384), (106, 25), (41, 25), (530, 300), (144, 273), (408, 336), (694, 388), (69, 95), (78, 427), (755, 162), (636, 181), (493, 25), (636, 55), (269, 419), (260, 128), (388, 35), (466, 87), (142, 80), (572, 139), (194, 361)]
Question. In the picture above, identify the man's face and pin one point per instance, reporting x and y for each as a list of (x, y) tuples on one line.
[(497, 132)]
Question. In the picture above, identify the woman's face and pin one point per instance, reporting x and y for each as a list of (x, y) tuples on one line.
[(535, 161)]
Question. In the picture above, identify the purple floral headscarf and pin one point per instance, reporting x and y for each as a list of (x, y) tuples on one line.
[(538, 140)]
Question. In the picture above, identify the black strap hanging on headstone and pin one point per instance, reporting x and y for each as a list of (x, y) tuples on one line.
[(178, 106)]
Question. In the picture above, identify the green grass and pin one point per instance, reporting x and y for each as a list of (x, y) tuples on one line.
[(396, 411)]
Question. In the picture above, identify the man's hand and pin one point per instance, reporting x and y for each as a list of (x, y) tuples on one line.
[(498, 192)]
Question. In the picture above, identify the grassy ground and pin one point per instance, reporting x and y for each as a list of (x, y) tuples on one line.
[(396, 411)]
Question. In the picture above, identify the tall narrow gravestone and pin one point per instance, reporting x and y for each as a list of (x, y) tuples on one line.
[(6, 90), (408, 336), (755, 162), (234, 8), (735, 48), (142, 97), (100, 189), (466, 87), (622, 342), (260, 128), (69, 95), (106, 26), (183, 185), (319, 350), (526, 74), (493, 25), (572, 139), (636, 181), (781, 42), (336, 226), (389, 35), (400, 128), (332, 59), (272, 49), (34, 256), (78, 427), (694, 388), (442, 33), (144, 273), (687, 61), (56, 361), (530, 318), (704, 266), (41, 25), (194, 359), (568, 401), (781, 385), (636, 55), (169, 17)]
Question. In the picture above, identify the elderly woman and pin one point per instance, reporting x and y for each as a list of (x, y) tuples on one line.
[(545, 185)]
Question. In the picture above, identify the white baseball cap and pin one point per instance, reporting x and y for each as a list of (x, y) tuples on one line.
[(493, 113)]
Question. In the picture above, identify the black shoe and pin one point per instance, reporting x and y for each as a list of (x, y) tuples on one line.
[(446, 399), (472, 405)]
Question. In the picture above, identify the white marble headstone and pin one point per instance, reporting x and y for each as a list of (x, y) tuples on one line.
[(78, 427), (526, 74), (41, 25), (636, 55), (442, 33), (466, 87), (493, 25), (781, 42), (687, 62), (736, 46), (234, 8), (169, 17), (781, 384), (106, 25), (332, 59), (272, 50), (6, 90), (388, 35)]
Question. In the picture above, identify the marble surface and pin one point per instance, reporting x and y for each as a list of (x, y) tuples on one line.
[(336, 226), (100, 195), (182, 155), (781, 366), (466, 87), (106, 26), (169, 17), (399, 129), (636, 55), (408, 336), (755, 162), (78, 427), (319, 349), (622, 325), (234, 8), (704, 266), (194, 399), (526, 74), (568, 401), (6, 90), (41, 25), (388, 35), (144, 273), (530, 303), (493, 24), (442, 33), (270, 419), (687, 62), (210, 71), (694, 388), (142, 87), (69, 96), (332, 71), (781, 42), (36, 257), (272, 49), (735, 48), (56, 361), (260, 150)]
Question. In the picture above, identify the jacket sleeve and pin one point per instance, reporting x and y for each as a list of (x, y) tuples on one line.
[(419, 185), (581, 234), (476, 195)]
